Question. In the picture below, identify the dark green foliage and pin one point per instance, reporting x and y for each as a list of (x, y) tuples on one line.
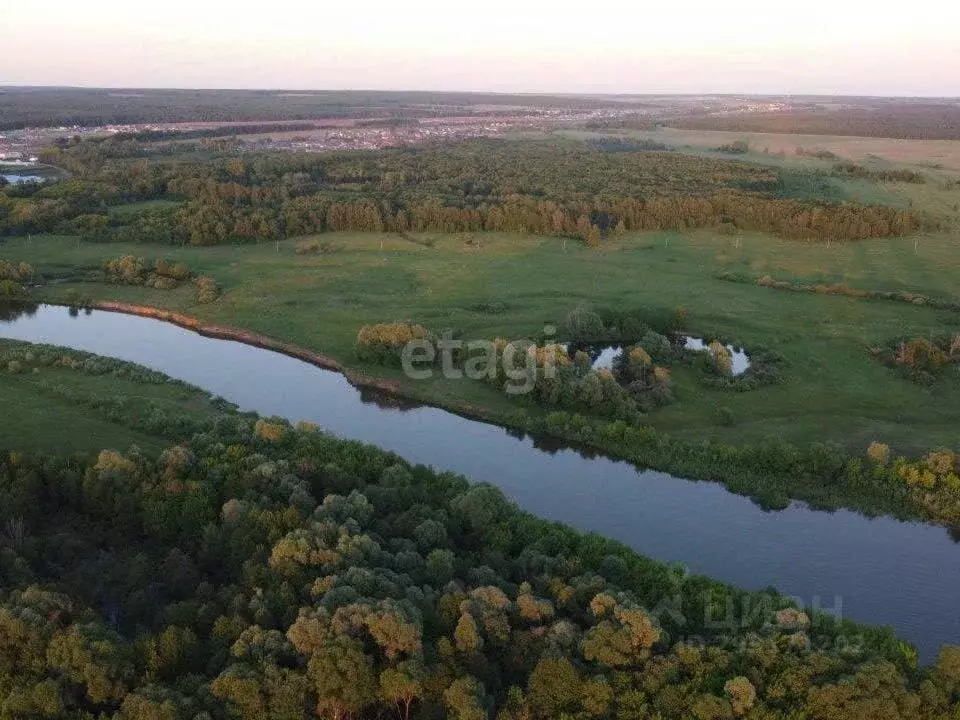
[(615, 144), (867, 117), (584, 326), (921, 360), (243, 576), (849, 169), (726, 417), (556, 187), (737, 147)]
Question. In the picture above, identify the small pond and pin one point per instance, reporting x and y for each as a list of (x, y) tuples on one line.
[(602, 355), (17, 179), (741, 361)]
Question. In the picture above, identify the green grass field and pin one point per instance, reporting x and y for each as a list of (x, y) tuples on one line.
[(37, 418), (834, 391)]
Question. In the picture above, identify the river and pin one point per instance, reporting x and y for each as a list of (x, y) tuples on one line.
[(873, 570), (16, 179)]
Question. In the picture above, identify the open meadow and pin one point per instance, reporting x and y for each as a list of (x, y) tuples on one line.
[(503, 285)]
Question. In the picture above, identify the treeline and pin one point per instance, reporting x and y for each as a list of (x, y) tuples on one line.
[(552, 188), (13, 278), (771, 472), (843, 289), (257, 570), (628, 121), (911, 120), (850, 169), (53, 107), (223, 213)]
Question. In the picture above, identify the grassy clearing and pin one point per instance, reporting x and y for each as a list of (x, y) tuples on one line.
[(835, 390), (36, 417)]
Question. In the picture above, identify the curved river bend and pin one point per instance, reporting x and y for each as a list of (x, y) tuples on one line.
[(878, 571)]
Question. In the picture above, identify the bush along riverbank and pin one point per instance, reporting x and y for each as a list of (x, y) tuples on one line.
[(602, 409), (774, 472)]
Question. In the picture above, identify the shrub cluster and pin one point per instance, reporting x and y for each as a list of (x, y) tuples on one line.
[(131, 270), (921, 360), (13, 279), (207, 289), (383, 343), (816, 153), (844, 290), (316, 247), (766, 368), (849, 169), (933, 481)]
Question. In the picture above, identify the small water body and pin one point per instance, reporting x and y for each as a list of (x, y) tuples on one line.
[(878, 571), (603, 356), (741, 361), (17, 179)]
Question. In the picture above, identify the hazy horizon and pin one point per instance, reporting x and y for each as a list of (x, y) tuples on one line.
[(520, 93), (743, 47)]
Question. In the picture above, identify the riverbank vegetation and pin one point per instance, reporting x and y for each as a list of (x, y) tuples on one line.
[(511, 286), (258, 569), (56, 398), (559, 372)]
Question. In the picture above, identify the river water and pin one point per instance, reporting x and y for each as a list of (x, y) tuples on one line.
[(16, 179), (873, 570)]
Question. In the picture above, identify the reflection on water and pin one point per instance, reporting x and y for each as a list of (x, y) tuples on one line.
[(877, 570), (12, 309), (601, 355), (552, 445), (741, 361), (17, 179), (387, 401)]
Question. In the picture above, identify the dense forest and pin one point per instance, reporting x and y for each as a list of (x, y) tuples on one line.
[(261, 570), (910, 120), (54, 107), (558, 188)]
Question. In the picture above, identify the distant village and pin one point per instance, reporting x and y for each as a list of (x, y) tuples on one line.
[(21, 146)]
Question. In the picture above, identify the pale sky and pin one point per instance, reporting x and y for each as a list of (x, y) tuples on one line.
[(872, 47)]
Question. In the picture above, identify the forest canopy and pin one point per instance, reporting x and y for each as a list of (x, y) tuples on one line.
[(261, 570), (551, 187)]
